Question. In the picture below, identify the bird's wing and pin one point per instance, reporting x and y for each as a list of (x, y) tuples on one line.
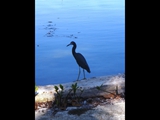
[(81, 60)]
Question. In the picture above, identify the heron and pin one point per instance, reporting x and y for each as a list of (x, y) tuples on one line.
[(81, 61)]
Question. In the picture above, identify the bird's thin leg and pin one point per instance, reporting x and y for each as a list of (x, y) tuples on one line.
[(84, 74), (79, 73)]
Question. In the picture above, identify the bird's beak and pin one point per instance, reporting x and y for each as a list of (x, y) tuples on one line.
[(68, 45)]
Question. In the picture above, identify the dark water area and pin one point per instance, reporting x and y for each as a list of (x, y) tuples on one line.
[(98, 28)]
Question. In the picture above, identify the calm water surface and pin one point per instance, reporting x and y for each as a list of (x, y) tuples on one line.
[(98, 28)]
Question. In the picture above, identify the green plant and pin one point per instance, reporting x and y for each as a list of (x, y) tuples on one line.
[(75, 88), (61, 100), (36, 88), (59, 95)]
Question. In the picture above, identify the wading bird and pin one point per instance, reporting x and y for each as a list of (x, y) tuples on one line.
[(81, 61)]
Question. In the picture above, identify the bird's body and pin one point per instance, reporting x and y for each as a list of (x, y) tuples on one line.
[(81, 61)]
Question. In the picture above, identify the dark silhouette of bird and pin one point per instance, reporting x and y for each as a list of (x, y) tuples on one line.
[(81, 61)]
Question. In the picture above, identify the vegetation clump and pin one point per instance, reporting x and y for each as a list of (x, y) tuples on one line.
[(71, 98)]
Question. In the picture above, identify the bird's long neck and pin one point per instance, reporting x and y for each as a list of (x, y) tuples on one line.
[(74, 49)]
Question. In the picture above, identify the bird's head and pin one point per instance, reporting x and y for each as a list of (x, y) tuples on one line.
[(71, 43)]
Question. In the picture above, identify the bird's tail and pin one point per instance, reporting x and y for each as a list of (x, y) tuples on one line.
[(88, 70)]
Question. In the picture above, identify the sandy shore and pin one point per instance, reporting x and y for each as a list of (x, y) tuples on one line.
[(114, 111)]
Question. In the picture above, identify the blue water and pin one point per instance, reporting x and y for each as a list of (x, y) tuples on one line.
[(98, 28)]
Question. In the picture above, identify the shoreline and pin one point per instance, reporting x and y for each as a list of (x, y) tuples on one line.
[(115, 109), (46, 93), (89, 80), (110, 75)]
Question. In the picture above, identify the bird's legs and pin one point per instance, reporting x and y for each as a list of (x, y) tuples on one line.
[(84, 74), (79, 73)]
